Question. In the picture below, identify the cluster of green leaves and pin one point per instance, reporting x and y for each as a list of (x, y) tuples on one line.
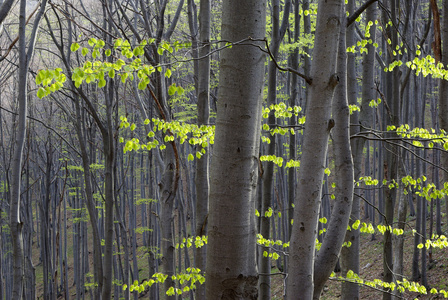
[(361, 45), (202, 136), (268, 213), (143, 229), (282, 112), (271, 243), (275, 159), (400, 285), (436, 241), (89, 282), (367, 180), (142, 201), (353, 108), (198, 241), (428, 191), (52, 80), (421, 135), (126, 63), (427, 66), (188, 280)]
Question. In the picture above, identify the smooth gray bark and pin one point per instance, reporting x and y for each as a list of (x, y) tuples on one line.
[(107, 133), (443, 94), (306, 50), (202, 165), (231, 262), (295, 94), (5, 7), (278, 32), (328, 254), (390, 162), (350, 255), (16, 224), (315, 143)]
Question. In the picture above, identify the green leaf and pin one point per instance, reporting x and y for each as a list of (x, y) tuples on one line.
[(108, 52), (172, 90), (101, 83), (84, 51), (123, 77), (168, 73), (40, 77), (41, 93), (190, 157), (142, 85), (92, 42), (180, 90), (74, 47), (112, 73), (445, 146)]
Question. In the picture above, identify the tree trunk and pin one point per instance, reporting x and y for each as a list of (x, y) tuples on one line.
[(328, 254), (350, 255), (202, 165), (264, 284), (315, 144), (391, 155), (443, 95), (16, 224), (231, 266)]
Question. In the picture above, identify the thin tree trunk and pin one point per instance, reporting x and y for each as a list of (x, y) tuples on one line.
[(264, 284), (202, 165), (350, 255), (391, 156), (16, 224), (443, 95)]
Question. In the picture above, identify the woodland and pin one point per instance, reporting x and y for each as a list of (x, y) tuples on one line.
[(205, 149)]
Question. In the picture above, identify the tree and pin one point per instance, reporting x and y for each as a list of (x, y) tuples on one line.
[(231, 266), (315, 143), (16, 224), (277, 35), (350, 255), (202, 165), (443, 92)]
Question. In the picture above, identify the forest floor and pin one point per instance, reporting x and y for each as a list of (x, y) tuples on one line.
[(371, 268)]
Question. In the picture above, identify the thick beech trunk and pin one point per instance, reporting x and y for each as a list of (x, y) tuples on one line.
[(231, 262)]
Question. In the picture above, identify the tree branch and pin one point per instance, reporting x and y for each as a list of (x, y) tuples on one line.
[(308, 80), (359, 11), (46, 126)]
